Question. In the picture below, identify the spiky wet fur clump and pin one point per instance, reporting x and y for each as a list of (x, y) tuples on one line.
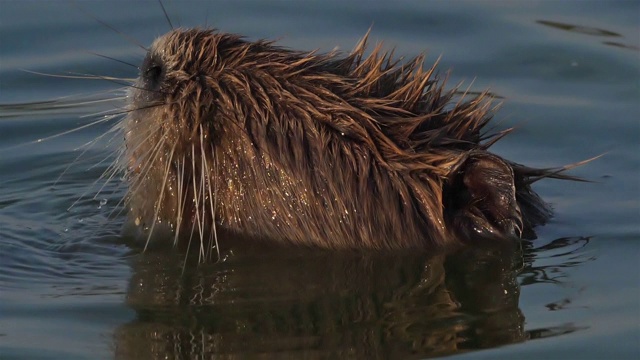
[(315, 149)]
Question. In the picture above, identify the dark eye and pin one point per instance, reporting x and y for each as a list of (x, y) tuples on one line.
[(152, 72)]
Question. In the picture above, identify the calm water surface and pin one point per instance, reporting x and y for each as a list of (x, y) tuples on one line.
[(71, 286)]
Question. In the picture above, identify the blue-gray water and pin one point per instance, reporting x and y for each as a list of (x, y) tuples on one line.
[(70, 287)]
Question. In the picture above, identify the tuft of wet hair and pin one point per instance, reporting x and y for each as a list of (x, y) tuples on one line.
[(361, 151)]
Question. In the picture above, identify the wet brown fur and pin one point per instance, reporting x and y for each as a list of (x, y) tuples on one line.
[(316, 149)]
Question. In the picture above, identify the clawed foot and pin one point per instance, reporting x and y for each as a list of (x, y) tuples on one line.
[(483, 199)]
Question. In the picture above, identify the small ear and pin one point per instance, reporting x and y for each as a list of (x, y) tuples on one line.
[(482, 199)]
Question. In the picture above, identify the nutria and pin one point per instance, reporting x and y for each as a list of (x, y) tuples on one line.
[(316, 149)]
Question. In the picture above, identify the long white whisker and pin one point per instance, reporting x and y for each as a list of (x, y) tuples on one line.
[(180, 189), (215, 199), (82, 127), (79, 76), (149, 161), (87, 147), (105, 113), (203, 194), (113, 170), (164, 183), (207, 173), (148, 156), (196, 198)]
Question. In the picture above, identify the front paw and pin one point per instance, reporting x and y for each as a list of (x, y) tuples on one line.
[(483, 201)]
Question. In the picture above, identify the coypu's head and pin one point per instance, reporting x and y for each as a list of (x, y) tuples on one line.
[(352, 152)]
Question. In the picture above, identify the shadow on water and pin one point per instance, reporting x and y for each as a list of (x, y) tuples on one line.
[(311, 303)]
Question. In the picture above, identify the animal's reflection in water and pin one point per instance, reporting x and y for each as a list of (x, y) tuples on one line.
[(311, 303)]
